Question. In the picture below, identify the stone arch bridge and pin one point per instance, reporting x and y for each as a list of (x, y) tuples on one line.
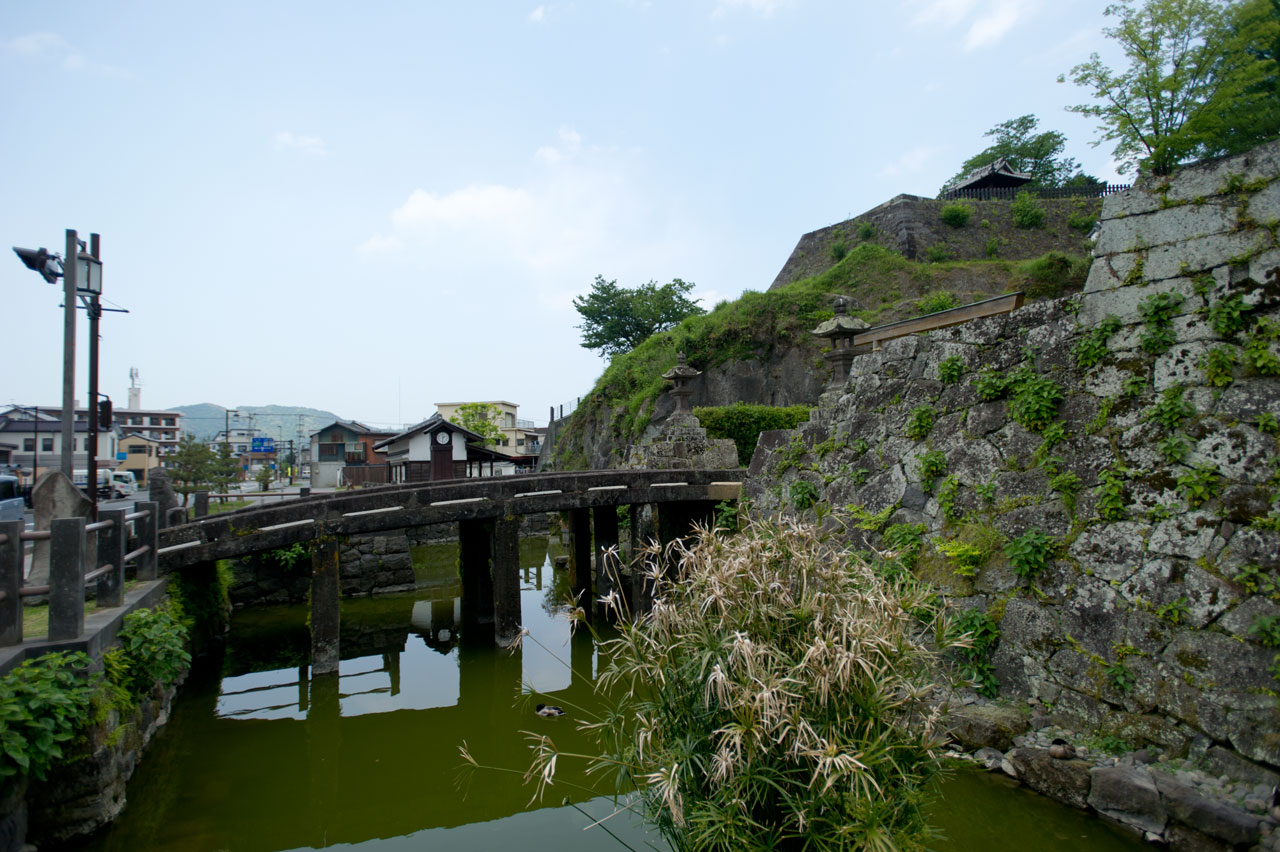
[(487, 512)]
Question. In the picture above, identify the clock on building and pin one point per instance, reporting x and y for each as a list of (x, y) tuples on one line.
[(442, 437)]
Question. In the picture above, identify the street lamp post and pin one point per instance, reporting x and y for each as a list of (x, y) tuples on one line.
[(89, 269)]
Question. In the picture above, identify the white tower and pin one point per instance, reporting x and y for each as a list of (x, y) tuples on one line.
[(135, 390)]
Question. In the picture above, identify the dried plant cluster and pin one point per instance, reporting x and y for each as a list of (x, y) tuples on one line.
[(774, 697)]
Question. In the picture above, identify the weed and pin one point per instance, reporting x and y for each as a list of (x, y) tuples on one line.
[(1110, 494), (956, 215), (1257, 349), (1217, 364), (1226, 317), (982, 634), (839, 250), (950, 370), (993, 244), (1092, 347), (1199, 485), (933, 464), (937, 300), (938, 253), (987, 491), (1099, 421), (860, 446), (947, 498), (1035, 400), (1030, 553), (1267, 630), (868, 521), (1121, 678), (1257, 580), (1026, 211), (866, 230), (1135, 273), (1174, 447), (991, 384), (920, 423), (1082, 222), (1174, 612), (904, 541), (1068, 485), (803, 494), (1170, 410), (1134, 387), (1267, 424), (1157, 312)]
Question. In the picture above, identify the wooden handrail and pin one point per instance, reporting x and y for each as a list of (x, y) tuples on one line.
[(942, 319)]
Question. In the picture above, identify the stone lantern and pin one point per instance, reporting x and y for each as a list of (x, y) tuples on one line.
[(679, 376), (840, 330)]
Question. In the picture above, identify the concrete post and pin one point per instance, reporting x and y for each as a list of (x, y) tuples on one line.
[(175, 517), (111, 551), (580, 558), (506, 579), (604, 519), (639, 599), (147, 531), (66, 578), (304, 491), (202, 504), (475, 539), (11, 557), (325, 597)]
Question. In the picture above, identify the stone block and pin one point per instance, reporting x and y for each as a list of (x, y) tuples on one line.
[(1165, 226), (1218, 820), (1128, 795), (1112, 551), (1065, 781), (1108, 272), (980, 725), (1255, 732), (1220, 761), (1212, 178), (1200, 254)]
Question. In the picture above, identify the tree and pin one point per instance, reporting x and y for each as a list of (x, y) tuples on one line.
[(224, 469), (481, 418), (1038, 154), (189, 466), (617, 319), (264, 477), (1201, 81)]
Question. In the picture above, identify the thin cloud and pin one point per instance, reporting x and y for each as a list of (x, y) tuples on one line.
[(763, 8), (910, 162), (538, 15), (570, 145), (993, 24), (986, 22), (51, 47), (314, 145)]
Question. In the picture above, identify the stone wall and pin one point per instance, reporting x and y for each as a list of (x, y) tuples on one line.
[(1136, 436), (912, 225)]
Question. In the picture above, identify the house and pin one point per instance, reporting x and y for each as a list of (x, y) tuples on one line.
[(162, 426), (521, 441), (141, 453), (250, 446), (342, 444), (37, 436), (436, 449), (997, 175)]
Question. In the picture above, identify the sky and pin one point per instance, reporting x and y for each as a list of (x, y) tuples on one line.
[(371, 208)]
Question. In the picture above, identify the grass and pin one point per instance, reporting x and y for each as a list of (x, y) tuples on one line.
[(35, 619), (217, 508)]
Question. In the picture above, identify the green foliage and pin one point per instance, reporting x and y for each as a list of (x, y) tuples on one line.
[(967, 557), (938, 253), (978, 635), (993, 245), (803, 494), (264, 477), (189, 466), (154, 644), (904, 541), (1121, 678), (860, 446), (743, 422), (1257, 580), (1082, 222), (1267, 630), (866, 230), (1092, 346), (1157, 312), (1030, 553), (1170, 410), (1199, 485), (1257, 349), (726, 515), (1052, 273), (1226, 316), (1200, 81), (43, 703), (868, 521), (617, 319), (1037, 154), (1175, 612), (1035, 400), (937, 300), (1267, 423), (987, 491), (839, 250), (1026, 211), (947, 492), (991, 384), (481, 418), (956, 215), (1217, 364), (950, 369), (932, 465), (1174, 447), (200, 597), (737, 732), (288, 557), (920, 423), (1112, 505), (1067, 484), (1134, 387)]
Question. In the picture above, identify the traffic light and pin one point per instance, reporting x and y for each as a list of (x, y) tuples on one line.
[(48, 265), (104, 413)]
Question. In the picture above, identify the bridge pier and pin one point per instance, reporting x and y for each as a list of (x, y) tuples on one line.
[(580, 559), (475, 541), (325, 595), (605, 523), (506, 579)]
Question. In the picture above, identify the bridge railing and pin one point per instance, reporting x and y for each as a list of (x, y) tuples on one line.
[(73, 564)]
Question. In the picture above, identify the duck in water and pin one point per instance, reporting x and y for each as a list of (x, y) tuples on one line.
[(548, 710)]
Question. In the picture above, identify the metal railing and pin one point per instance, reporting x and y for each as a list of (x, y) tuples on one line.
[(73, 565)]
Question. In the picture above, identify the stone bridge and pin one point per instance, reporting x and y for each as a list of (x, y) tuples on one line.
[(486, 511)]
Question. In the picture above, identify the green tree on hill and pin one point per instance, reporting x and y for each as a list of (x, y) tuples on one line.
[(1202, 80), (1037, 154), (618, 319)]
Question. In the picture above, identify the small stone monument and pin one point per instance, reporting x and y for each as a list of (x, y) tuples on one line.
[(683, 443), (161, 491), (840, 330), (55, 496)]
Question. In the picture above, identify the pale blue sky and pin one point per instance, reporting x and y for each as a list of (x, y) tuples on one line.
[(373, 207)]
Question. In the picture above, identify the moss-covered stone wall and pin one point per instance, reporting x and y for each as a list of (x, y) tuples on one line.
[(1099, 474)]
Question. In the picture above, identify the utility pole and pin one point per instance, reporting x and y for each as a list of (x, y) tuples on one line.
[(94, 310), (69, 354)]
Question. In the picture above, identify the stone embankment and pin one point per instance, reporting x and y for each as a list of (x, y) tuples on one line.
[(1094, 482)]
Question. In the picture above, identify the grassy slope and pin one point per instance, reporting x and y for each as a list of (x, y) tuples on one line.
[(883, 285)]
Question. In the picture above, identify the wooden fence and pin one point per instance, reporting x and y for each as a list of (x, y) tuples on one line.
[(1008, 193), (72, 566)]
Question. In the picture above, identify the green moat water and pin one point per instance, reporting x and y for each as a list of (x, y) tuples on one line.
[(259, 755)]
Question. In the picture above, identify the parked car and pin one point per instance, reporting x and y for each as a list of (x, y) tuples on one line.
[(11, 504)]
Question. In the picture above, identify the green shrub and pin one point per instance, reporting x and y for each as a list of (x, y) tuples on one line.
[(1110, 494), (993, 247), (938, 253), (1157, 312), (743, 422), (1226, 317), (991, 384), (1030, 553), (839, 250), (1217, 364), (1199, 485), (1049, 275), (1092, 346), (1170, 410), (920, 423), (1026, 211), (1174, 447), (932, 465), (979, 635), (866, 230), (154, 644), (937, 300), (1035, 400), (956, 215), (741, 709), (43, 703), (950, 369), (1082, 222)]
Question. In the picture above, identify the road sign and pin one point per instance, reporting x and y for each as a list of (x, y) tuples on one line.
[(263, 445)]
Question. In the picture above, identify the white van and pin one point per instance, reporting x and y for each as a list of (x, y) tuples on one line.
[(11, 504), (123, 484)]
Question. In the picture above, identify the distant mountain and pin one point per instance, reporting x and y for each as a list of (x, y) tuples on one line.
[(282, 422)]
